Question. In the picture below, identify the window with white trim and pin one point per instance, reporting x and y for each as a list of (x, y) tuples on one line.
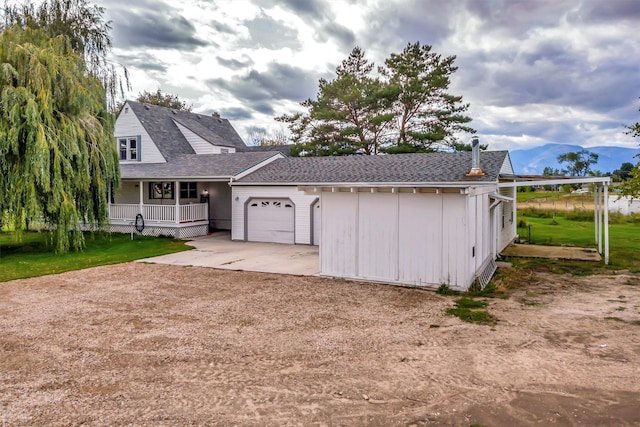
[(161, 190), (129, 148)]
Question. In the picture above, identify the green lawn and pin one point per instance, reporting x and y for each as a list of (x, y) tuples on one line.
[(29, 257), (624, 237)]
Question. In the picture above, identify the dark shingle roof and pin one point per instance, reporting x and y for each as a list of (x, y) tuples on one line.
[(395, 168), (196, 166), (159, 124), (284, 149)]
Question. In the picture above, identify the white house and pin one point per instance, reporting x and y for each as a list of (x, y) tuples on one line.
[(420, 219), (175, 168)]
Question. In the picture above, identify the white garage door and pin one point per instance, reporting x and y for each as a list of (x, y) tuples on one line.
[(270, 220)]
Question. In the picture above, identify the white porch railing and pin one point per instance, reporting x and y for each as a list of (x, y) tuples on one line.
[(123, 212), (159, 213), (193, 212)]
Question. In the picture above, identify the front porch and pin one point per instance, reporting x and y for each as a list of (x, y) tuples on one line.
[(178, 221)]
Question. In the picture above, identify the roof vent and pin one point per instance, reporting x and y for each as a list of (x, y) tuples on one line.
[(174, 111), (475, 158), (146, 107), (216, 115)]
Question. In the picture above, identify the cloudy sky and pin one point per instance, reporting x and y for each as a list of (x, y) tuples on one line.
[(564, 71)]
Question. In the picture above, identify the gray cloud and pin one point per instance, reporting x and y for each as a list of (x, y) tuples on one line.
[(278, 82), (234, 64), (162, 29), (142, 61), (236, 113), (268, 33)]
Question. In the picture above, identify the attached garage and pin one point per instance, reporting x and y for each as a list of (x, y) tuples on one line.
[(270, 220)]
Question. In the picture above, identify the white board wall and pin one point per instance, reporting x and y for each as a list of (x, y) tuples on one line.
[(409, 238)]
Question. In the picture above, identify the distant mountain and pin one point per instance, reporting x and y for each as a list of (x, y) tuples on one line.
[(532, 161)]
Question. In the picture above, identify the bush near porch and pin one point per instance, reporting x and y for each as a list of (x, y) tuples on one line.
[(30, 257)]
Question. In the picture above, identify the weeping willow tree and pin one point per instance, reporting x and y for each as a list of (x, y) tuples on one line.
[(57, 155)]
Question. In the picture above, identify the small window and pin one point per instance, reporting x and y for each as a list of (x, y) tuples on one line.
[(161, 190), (265, 204), (128, 148), (288, 205), (255, 205), (277, 204), (188, 190)]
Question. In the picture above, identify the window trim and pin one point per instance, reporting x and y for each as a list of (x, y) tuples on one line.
[(161, 190), (132, 148)]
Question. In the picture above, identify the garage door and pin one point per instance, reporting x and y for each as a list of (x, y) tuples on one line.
[(270, 220)]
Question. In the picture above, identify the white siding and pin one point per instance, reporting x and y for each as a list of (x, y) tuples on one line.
[(316, 216), (480, 231), (302, 202), (506, 227), (507, 167), (456, 250), (409, 238), (420, 236), (378, 236), (127, 124), (200, 145), (339, 248)]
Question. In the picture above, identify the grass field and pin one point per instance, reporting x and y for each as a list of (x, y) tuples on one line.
[(624, 235), (29, 257)]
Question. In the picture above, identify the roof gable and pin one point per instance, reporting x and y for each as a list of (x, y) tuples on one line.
[(160, 124)]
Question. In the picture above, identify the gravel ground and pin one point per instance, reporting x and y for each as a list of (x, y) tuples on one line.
[(158, 345)]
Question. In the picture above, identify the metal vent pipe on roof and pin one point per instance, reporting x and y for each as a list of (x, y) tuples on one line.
[(475, 158)]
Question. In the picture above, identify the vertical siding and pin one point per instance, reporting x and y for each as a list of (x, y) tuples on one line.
[(409, 238), (420, 238), (200, 145), (339, 247), (507, 233), (127, 124), (473, 219), (455, 246), (302, 202), (378, 236)]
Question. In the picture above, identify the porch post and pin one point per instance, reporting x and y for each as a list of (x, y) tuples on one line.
[(596, 213), (140, 185), (606, 223), (600, 205), (176, 191), (514, 194)]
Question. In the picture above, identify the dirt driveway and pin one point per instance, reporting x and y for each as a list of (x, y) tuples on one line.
[(159, 345)]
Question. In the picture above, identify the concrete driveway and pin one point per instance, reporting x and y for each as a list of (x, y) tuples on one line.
[(219, 251)]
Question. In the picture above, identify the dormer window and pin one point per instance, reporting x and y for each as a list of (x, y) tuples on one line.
[(129, 148)]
